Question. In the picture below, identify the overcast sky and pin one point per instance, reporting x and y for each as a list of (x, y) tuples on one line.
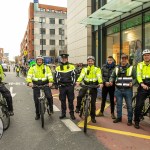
[(13, 22)]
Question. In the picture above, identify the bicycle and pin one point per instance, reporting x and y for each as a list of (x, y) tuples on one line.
[(43, 103), (1, 128), (86, 104), (4, 113), (146, 108)]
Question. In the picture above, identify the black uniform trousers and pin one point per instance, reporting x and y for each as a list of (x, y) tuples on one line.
[(140, 99), (66, 91), (48, 94), (105, 91), (7, 95), (93, 94)]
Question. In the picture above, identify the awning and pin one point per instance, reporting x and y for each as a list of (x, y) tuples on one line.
[(111, 10)]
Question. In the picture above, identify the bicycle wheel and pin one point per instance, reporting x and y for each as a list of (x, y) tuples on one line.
[(42, 111), (1, 128), (86, 115), (5, 117), (47, 108)]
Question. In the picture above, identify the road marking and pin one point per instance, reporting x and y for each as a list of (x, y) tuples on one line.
[(118, 132), (71, 125), (17, 83), (11, 91), (55, 108), (81, 123)]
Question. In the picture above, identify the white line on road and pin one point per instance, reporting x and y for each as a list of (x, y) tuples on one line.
[(71, 125), (55, 108), (11, 91)]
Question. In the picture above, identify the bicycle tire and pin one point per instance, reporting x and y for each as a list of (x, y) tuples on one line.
[(42, 111), (86, 115), (5, 118), (47, 108)]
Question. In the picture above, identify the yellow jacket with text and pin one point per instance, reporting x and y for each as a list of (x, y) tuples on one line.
[(39, 74), (1, 73), (143, 72), (90, 75)]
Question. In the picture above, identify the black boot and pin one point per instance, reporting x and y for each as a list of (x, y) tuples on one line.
[(117, 120), (93, 119), (136, 125), (62, 116), (72, 116), (37, 117)]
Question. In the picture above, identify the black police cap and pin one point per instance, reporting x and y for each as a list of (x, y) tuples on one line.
[(64, 55)]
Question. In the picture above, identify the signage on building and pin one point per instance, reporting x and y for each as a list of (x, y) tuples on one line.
[(133, 22), (25, 52)]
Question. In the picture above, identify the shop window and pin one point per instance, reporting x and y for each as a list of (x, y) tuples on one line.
[(131, 41), (147, 30), (113, 42)]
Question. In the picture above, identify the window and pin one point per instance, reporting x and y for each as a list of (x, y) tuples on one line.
[(52, 42), (42, 41), (42, 9), (42, 19), (61, 31), (52, 20), (32, 31), (61, 21), (61, 42), (113, 42), (43, 52), (52, 52), (42, 31), (52, 31), (147, 30), (32, 42)]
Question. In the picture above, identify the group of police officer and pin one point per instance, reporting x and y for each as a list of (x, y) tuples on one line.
[(122, 77)]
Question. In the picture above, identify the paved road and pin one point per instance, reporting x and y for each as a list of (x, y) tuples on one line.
[(25, 133)]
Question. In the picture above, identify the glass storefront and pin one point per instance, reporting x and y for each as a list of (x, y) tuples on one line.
[(131, 38)]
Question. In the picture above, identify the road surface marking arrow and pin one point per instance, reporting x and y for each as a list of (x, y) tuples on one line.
[(11, 91)]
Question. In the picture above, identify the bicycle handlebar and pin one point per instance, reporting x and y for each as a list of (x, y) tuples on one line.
[(91, 86)]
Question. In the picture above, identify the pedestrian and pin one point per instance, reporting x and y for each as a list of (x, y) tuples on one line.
[(106, 72), (143, 78), (6, 93), (40, 74), (90, 75), (65, 79), (124, 76), (17, 71)]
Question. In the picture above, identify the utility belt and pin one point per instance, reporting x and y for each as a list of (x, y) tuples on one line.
[(91, 83), (40, 82), (61, 84), (146, 81)]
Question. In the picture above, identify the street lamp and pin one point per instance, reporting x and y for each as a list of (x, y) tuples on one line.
[(42, 36)]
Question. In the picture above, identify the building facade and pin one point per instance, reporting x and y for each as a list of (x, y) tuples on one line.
[(46, 32), (118, 26), (79, 36)]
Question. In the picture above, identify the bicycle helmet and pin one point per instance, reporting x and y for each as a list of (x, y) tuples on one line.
[(146, 51), (91, 57), (39, 57)]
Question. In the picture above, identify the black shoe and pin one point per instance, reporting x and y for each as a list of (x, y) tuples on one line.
[(72, 117), (136, 125), (62, 116), (117, 120), (113, 116), (93, 120), (77, 110), (129, 123), (11, 113), (37, 117)]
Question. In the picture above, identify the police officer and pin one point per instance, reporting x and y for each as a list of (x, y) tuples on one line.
[(89, 75), (6, 93), (124, 77), (143, 78), (40, 74), (65, 78)]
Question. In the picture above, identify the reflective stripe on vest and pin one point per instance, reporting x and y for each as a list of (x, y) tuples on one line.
[(43, 79)]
